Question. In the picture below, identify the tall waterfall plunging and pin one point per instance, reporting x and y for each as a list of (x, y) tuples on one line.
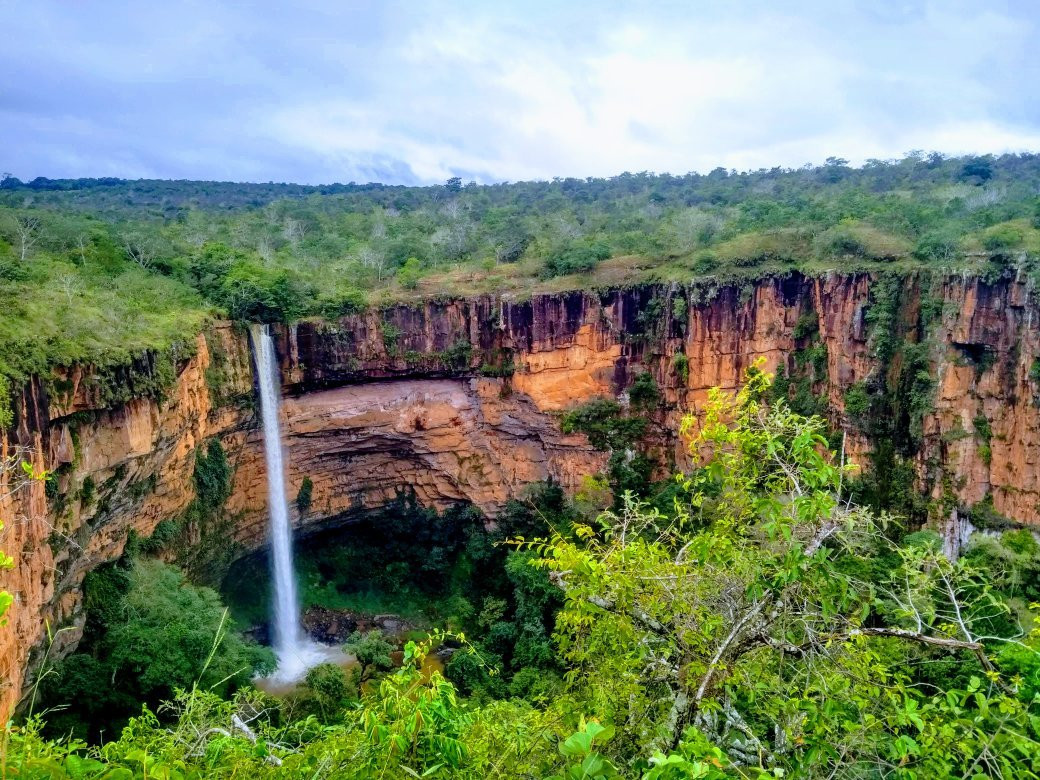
[(286, 606), (296, 653)]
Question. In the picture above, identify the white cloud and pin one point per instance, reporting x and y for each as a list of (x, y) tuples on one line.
[(333, 92)]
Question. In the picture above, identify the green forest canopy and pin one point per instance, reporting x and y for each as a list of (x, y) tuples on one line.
[(101, 269)]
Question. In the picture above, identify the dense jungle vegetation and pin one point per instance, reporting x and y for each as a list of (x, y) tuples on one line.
[(100, 269), (757, 624)]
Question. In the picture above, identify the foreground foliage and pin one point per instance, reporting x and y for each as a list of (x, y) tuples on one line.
[(775, 622)]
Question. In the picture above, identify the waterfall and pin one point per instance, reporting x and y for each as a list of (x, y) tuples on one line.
[(289, 644), (295, 651)]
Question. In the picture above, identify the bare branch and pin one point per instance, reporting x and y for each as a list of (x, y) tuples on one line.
[(916, 636), (28, 229)]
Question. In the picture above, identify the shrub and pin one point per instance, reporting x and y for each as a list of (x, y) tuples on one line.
[(705, 261), (939, 246), (341, 303), (984, 432), (807, 326), (923, 540), (458, 611), (681, 364), (408, 275), (573, 259), (1003, 237), (458, 355), (680, 308), (984, 515), (750, 249), (88, 490), (841, 241), (535, 684), (6, 414), (303, 497), (982, 427), (164, 533), (212, 475), (856, 239), (476, 671), (857, 401), (644, 393), (390, 334)]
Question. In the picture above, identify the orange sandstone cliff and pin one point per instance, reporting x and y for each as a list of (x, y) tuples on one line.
[(458, 401)]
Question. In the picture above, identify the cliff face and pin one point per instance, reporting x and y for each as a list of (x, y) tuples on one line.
[(983, 434), (456, 400), (446, 440), (114, 471)]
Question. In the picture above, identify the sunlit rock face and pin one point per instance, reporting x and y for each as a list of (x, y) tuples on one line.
[(445, 440), (458, 401)]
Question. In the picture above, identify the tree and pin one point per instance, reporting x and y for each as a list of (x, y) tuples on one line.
[(409, 273), (372, 652), (148, 633), (978, 170), (304, 496), (452, 242), (758, 622), (512, 242), (140, 248), (330, 688), (372, 258), (453, 210), (293, 230), (260, 294), (69, 284), (28, 231)]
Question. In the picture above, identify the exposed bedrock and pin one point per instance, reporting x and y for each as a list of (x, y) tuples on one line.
[(445, 440), (457, 400)]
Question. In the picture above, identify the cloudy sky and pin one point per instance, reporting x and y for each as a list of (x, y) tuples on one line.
[(407, 92)]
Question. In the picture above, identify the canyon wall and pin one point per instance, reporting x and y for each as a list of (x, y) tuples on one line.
[(457, 400)]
